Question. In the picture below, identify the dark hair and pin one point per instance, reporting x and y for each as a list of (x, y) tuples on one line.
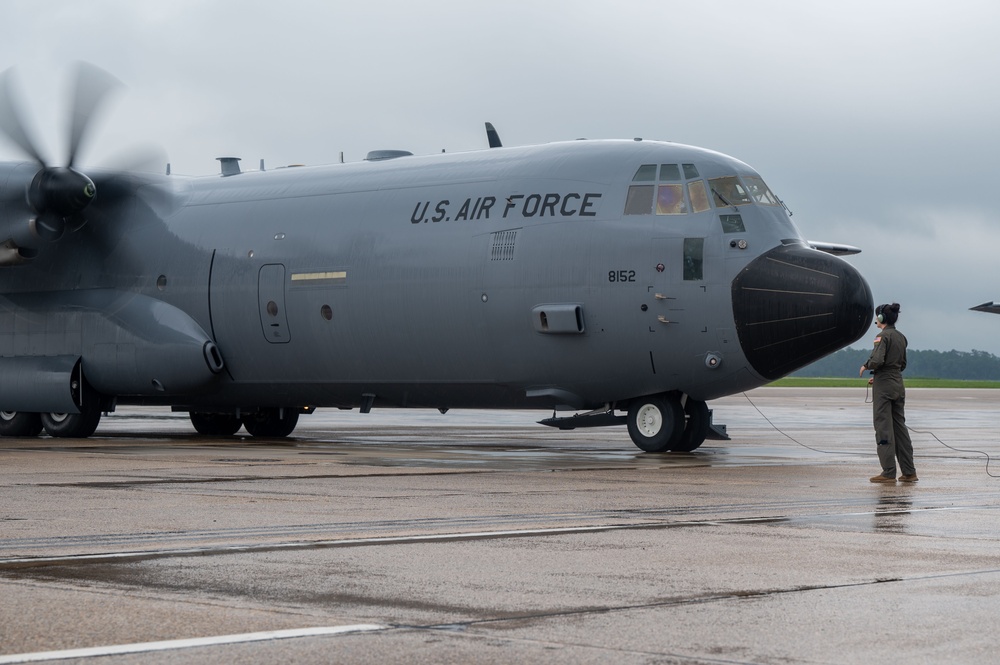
[(889, 313)]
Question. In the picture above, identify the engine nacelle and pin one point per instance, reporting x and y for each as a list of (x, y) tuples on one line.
[(19, 241), (126, 344)]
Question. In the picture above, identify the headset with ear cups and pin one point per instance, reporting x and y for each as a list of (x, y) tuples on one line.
[(878, 314)]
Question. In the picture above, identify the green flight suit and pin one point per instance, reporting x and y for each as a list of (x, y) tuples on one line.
[(888, 360)]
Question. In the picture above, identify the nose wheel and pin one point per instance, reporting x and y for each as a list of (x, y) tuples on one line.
[(658, 423), (655, 423)]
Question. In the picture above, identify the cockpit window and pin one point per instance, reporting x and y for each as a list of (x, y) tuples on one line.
[(732, 224), (646, 173), (728, 191), (640, 200), (698, 195), (670, 200), (694, 258), (667, 189), (669, 173), (759, 191)]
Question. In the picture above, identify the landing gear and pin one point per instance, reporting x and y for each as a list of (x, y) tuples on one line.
[(658, 423), (215, 424), (696, 428), (72, 425), (20, 424), (76, 425), (272, 423), (655, 423)]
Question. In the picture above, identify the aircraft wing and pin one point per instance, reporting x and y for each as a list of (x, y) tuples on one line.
[(834, 248), (990, 307)]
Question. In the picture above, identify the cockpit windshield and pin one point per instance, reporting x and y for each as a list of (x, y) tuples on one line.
[(759, 191), (729, 191), (678, 189), (732, 191)]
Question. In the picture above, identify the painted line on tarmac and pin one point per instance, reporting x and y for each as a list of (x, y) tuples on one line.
[(169, 645)]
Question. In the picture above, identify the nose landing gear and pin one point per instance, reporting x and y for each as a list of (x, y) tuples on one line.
[(658, 423), (655, 423)]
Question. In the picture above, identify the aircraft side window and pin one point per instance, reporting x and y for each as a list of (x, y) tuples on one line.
[(690, 171), (669, 173), (694, 252), (759, 191), (698, 195), (646, 173), (670, 200), (732, 224), (729, 191), (640, 200)]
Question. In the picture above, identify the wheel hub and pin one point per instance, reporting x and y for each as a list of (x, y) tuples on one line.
[(649, 420)]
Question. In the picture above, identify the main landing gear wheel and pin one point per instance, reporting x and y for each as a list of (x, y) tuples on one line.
[(76, 425), (73, 425), (20, 424), (215, 424), (655, 423), (272, 423), (696, 429)]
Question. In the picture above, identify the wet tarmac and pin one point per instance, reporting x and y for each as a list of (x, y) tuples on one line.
[(481, 537)]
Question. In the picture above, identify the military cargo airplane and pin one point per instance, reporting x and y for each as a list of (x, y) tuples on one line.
[(626, 281)]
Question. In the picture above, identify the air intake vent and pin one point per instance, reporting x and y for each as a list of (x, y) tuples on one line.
[(558, 319), (381, 155), (503, 245)]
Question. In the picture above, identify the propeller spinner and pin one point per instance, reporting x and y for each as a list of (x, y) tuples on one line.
[(59, 195)]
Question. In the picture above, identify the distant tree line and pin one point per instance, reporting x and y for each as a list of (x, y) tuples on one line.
[(961, 365)]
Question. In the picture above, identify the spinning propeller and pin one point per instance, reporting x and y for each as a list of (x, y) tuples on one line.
[(59, 195)]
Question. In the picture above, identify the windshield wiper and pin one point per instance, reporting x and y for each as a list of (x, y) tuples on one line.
[(787, 209), (722, 198)]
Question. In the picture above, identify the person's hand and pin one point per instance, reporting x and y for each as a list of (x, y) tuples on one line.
[(862, 372)]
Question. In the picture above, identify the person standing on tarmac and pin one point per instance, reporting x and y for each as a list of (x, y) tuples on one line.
[(887, 362)]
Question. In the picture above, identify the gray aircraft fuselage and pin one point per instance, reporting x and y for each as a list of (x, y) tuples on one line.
[(567, 276)]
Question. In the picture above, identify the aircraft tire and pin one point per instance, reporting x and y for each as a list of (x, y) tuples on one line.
[(696, 429), (72, 425), (271, 423), (215, 424), (655, 423), (20, 424)]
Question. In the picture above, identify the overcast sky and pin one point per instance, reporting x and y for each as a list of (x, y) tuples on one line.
[(878, 123)]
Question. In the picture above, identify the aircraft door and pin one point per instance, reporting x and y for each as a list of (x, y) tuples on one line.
[(667, 303), (681, 305), (271, 301)]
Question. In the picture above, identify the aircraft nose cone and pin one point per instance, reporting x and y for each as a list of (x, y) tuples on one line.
[(794, 305)]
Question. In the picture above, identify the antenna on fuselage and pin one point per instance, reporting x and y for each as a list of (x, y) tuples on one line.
[(492, 136)]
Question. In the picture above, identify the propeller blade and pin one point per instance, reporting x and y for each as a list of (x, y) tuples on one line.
[(92, 87), (10, 120), (60, 198)]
